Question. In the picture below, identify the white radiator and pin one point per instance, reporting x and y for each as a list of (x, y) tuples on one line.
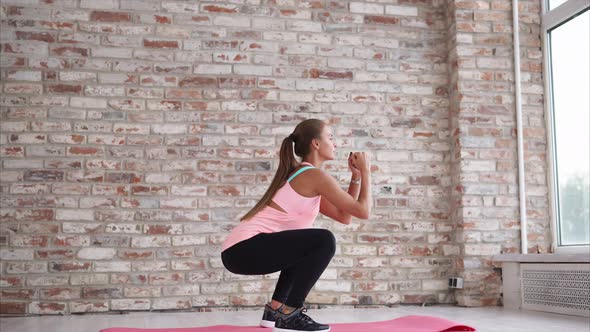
[(558, 288)]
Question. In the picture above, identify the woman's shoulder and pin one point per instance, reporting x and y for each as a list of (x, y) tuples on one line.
[(312, 176)]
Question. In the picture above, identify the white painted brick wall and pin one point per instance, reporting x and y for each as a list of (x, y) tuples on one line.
[(483, 161), (134, 134)]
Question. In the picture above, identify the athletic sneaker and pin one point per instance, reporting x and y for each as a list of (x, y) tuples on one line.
[(269, 316), (298, 321)]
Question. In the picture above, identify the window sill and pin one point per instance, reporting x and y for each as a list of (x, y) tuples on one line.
[(543, 258)]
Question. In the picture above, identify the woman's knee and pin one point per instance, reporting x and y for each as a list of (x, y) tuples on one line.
[(328, 241), (230, 263), (226, 262)]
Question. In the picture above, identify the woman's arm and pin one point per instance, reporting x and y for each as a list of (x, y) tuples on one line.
[(354, 187), (344, 206)]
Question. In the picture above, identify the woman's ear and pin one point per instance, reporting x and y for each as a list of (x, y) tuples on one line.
[(316, 143)]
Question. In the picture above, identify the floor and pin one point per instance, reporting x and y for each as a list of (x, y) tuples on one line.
[(489, 319)]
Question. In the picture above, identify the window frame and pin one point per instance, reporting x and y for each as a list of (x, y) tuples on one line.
[(551, 20)]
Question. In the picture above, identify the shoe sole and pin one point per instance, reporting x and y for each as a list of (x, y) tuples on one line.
[(277, 329), (267, 323)]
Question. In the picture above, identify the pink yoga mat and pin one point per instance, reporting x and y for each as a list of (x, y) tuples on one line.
[(402, 324)]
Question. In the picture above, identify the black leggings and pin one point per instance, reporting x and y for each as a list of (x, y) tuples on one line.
[(301, 255)]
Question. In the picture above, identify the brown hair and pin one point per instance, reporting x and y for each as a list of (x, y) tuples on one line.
[(302, 136)]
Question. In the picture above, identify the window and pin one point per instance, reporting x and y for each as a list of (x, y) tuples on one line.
[(555, 3), (567, 43)]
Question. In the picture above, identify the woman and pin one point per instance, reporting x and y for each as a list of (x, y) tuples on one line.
[(276, 235)]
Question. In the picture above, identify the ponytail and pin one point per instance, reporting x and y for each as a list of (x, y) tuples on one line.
[(300, 141), (287, 164)]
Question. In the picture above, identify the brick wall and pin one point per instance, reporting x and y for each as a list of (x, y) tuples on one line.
[(484, 165), (135, 133)]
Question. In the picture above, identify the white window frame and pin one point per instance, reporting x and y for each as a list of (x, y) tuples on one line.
[(550, 20)]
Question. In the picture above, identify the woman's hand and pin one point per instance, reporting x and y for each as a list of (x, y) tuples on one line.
[(356, 173), (361, 161)]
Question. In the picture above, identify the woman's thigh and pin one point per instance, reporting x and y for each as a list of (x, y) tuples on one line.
[(271, 252)]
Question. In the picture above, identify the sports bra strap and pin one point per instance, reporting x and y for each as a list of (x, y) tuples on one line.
[(299, 172)]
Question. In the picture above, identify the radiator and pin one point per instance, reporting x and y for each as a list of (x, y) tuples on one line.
[(558, 288)]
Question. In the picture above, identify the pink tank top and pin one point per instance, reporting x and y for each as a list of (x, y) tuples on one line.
[(300, 213)]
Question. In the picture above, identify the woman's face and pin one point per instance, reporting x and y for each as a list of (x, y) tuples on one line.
[(327, 146)]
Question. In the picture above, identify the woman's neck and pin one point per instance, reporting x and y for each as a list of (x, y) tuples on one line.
[(317, 163)]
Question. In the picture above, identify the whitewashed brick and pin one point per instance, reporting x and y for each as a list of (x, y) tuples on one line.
[(77, 76), (401, 10), (252, 70), (169, 129), (482, 249), (320, 85), (333, 286), (212, 69), (89, 279), (130, 304), (366, 8), (73, 214), (96, 253), (22, 75), (304, 26), (296, 96), (232, 21), (112, 266), (16, 254), (106, 4), (83, 102), (112, 52), (345, 63), (188, 240), (150, 241)]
